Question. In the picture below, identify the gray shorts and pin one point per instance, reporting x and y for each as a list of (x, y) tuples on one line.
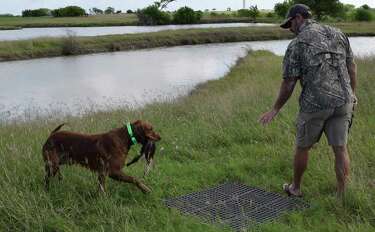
[(335, 123)]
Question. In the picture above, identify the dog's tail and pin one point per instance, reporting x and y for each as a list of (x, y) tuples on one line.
[(57, 128)]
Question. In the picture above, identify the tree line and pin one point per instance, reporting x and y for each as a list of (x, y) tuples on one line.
[(328, 9), (69, 11), (155, 13)]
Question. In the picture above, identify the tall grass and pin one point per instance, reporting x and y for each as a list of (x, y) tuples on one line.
[(208, 137)]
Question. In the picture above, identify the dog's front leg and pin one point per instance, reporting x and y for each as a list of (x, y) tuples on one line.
[(120, 176)]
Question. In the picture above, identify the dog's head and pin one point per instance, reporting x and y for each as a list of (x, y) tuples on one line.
[(144, 132)]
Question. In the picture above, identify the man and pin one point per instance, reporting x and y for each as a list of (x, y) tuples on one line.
[(319, 57)]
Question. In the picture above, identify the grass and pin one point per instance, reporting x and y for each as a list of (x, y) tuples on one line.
[(208, 137)]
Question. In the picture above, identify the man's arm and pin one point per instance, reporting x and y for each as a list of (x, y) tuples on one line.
[(286, 90), (352, 70)]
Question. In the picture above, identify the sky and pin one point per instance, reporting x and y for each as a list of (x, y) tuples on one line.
[(16, 6)]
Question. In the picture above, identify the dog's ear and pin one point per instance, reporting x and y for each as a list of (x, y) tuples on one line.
[(137, 122), (139, 132)]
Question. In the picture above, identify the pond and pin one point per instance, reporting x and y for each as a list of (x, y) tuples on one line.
[(55, 87)]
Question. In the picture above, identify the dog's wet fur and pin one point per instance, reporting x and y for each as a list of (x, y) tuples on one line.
[(104, 153)]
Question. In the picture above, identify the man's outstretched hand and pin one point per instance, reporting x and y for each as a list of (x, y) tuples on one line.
[(268, 116)]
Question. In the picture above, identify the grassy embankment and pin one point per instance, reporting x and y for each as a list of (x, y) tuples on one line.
[(208, 137), (49, 47)]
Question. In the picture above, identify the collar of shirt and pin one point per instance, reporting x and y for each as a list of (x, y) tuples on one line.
[(305, 24)]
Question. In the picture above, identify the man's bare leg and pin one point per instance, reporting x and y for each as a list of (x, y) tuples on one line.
[(342, 164), (301, 158)]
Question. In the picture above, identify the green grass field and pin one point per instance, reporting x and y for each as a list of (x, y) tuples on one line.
[(208, 137)]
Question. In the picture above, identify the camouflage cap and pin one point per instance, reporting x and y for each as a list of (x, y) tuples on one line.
[(301, 9)]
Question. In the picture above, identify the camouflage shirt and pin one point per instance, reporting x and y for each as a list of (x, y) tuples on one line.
[(319, 56)]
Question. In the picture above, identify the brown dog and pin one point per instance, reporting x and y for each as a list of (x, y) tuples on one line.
[(104, 153)]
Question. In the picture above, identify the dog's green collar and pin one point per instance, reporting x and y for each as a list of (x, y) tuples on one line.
[(130, 131)]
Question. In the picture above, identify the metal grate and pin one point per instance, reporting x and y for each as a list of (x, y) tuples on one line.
[(236, 205)]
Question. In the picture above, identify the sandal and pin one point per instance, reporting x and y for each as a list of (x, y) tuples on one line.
[(286, 188)]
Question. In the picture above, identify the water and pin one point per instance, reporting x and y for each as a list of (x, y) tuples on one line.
[(75, 85), (31, 33)]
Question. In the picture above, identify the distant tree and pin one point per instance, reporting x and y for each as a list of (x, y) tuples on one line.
[(254, 12), (229, 9), (270, 15), (6, 15), (186, 15), (366, 7), (69, 11), (36, 13), (129, 12), (281, 9), (162, 4), (322, 8), (243, 13), (118, 12), (109, 10), (349, 7), (152, 15), (26, 13), (362, 14), (95, 10)]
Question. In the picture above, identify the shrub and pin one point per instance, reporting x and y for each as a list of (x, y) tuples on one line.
[(366, 7), (70, 45), (243, 13), (254, 12), (109, 10), (281, 9), (270, 15), (69, 11), (152, 15), (36, 13), (130, 12), (96, 11), (362, 14), (186, 15)]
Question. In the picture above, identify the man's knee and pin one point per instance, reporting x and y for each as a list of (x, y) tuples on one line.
[(340, 150), (303, 149)]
